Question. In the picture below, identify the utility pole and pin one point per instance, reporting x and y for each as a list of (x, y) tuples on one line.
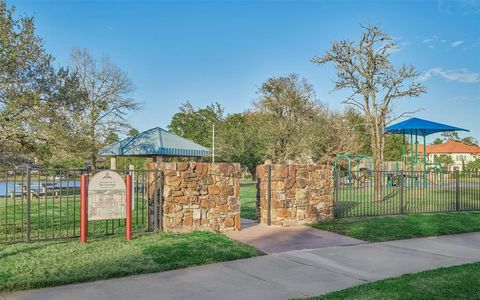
[(213, 143)]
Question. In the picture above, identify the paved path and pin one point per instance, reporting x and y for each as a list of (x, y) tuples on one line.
[(283, 275), (271, 239)]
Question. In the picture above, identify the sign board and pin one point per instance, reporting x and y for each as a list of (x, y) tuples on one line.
[(106, 196)]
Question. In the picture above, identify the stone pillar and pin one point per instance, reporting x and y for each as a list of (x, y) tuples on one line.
[(199, 196), (300, 194)]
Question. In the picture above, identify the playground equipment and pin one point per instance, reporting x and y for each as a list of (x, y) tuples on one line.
[(357, 160), (411, 167), (418, 127)]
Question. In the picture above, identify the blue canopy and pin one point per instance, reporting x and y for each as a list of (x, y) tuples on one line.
[(416, 126), (155, 142)]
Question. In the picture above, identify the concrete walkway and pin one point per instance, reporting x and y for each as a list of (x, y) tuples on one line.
[(271, 239), (283, 275)]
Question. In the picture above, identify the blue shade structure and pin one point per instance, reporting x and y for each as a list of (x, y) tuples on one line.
[(418, 127), (155, 142)]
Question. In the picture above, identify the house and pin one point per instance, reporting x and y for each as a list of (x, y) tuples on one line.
[(460, 153)]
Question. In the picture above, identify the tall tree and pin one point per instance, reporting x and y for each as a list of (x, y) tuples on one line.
[(365, 69), (196, 124), (34, 98), (238, 140), (286, 111), (107, 100), (437, 141)]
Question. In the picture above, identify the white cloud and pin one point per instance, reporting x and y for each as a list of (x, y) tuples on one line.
[(460, 75), (399, 47), (467, 98), (457, 43), (429, 42)]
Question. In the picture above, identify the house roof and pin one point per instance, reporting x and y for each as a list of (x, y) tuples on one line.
[(450, 147), (420, 127), (156, 141)]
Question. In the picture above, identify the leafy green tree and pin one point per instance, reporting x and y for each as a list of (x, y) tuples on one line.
[(469, 140), (450, 136), (445, 160), (197, 124), (473, 165), (112, 137), (35, 99), (25, 72), (437, 141), (286, 112), (238, 140), (133, 132)]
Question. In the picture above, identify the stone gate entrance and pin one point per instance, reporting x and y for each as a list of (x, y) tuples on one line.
[(194, 196), (295, 194)]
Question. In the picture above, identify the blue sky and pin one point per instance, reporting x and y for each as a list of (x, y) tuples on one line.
[(206, 51)]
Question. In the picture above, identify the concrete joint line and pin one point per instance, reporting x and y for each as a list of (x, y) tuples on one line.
[(324, 268)]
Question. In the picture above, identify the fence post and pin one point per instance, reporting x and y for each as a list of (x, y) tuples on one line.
[(128, 229), (457, 191), (269, 195), (401, 191), (155, 199), (335, 192), (160, 203), (29, 205), (83, 209), (258, 214)]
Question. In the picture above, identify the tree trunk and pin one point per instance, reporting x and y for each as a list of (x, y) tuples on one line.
[(377, 143)]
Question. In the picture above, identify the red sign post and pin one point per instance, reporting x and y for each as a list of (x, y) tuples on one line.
[(128, 229), (83, 209)]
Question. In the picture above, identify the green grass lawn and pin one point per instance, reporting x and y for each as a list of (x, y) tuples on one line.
[(377, 229), (248, 196), (44, 264), (459, 282)]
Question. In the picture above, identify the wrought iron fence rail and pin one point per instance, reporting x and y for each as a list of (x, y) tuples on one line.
[(364, 193), (44, 204)]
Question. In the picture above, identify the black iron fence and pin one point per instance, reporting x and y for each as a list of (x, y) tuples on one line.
[(41, 204), (366, 193)]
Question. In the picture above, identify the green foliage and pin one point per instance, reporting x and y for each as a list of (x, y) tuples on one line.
[(444, 160), (451, 136), (473, 165), (287, 123), (196, 124), (437, 141), (26, 75), (469, 140), (238, 140), (65, 262), (378, 229), (48, 115)]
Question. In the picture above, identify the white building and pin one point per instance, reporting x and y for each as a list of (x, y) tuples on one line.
[(458, 151)]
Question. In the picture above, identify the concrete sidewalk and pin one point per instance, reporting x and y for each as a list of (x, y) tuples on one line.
[(275, 239), (283, 275)]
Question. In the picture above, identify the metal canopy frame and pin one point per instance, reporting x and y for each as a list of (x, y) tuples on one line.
[(418, 127)]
